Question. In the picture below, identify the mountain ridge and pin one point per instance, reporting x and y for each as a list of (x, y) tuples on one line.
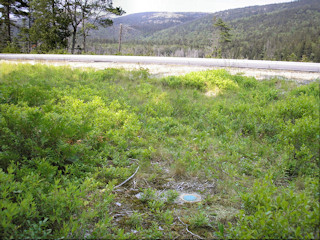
[(285, 31), (139, 25)]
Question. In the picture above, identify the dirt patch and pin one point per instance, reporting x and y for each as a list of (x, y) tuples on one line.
[(129, 206)]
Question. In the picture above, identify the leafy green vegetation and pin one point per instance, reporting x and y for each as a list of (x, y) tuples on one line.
[(68, 138), (42, 26)]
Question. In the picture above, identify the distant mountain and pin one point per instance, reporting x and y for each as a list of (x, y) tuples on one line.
[(285, 31), (139, 25), (245, 21)]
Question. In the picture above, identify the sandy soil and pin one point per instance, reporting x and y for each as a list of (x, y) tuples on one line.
[(168, 70)]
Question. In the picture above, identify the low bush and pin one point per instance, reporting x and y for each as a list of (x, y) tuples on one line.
[(206, 80), (67, 137), (276, 212)]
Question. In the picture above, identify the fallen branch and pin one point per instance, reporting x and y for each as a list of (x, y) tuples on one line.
[(193, 234), (127, 179)]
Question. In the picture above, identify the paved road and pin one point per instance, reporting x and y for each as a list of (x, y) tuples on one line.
[(207, 62)]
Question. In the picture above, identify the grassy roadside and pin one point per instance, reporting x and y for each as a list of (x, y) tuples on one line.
[(67, 137)]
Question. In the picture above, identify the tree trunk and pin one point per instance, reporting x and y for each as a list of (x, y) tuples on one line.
[(74, 36), (84, 43), (29, 27), (120, 35), (84, 32), (8, 23)]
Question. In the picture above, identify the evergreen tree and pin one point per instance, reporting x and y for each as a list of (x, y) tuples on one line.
[(225, 36), (50, 29), (10, 10), (224, 30)]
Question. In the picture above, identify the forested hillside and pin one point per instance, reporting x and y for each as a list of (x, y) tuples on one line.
[(287, 31), (289, 34), (139, 25)]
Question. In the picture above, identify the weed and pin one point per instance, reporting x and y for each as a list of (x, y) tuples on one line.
[(135, 220), (147, 195), (171, 195), (166, 217), (200, 219)]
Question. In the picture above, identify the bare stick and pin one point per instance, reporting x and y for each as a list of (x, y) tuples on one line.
[(189, 230), (120, 35), (127, 179)]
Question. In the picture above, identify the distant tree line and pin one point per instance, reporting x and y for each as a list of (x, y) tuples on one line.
[(289, 32), (51, 25)]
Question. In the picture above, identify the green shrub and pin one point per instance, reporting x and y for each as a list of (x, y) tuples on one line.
[(12, 47), (200, 219), (275, 212), (37, 202), (205, 80), (135, 220), (311, 89), (68, 136)]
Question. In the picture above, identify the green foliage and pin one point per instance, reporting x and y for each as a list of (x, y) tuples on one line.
[(36, 202), (12, 47), (171, 195), (167, 217), (68, 136), (147, 195), (51, 142), (200, 219), (9, 11), (135, 220), (50, 25), (206, 80), (224, 29), (275, 212)]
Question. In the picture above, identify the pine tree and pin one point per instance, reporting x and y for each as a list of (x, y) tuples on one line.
[(225, 36), (50, 29), (224, 29), (10, 10)]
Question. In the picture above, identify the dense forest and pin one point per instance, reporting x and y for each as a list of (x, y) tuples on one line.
[(286, 31), (290, 32), (43, 26)]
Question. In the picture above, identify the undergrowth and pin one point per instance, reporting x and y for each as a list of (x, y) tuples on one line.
[(67, 137)]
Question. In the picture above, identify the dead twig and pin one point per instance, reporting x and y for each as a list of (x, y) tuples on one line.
[(127, 179), (146, 182), (193, 234)]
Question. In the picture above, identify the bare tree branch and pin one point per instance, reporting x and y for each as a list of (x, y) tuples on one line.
[(127, 179)]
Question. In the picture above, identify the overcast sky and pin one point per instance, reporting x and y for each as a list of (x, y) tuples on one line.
[(135, 6)]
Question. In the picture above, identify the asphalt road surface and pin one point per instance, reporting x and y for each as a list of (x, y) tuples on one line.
[(205, 62)]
